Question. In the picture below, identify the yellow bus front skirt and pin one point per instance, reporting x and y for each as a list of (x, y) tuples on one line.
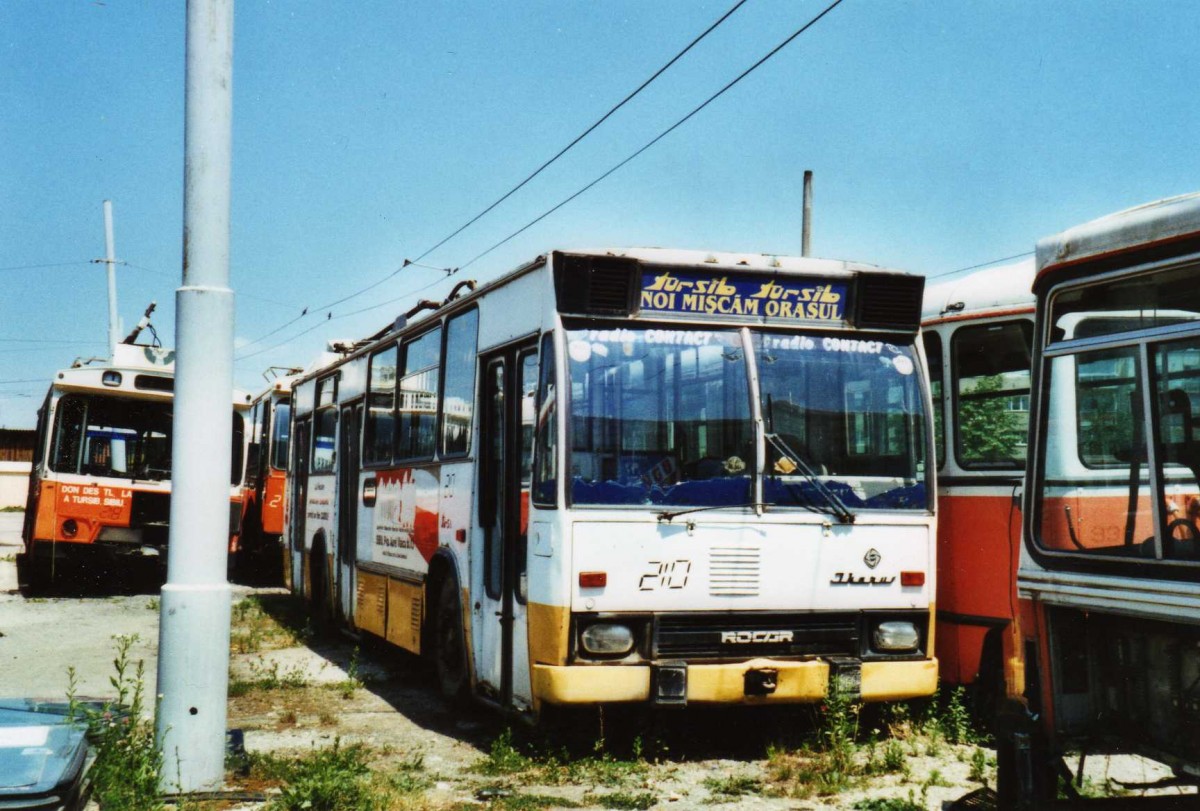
[(797, 682)]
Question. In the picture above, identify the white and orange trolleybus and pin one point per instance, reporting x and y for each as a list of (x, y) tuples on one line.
[(262, 554), (1108, 654), (652, 476), (977, 329), (100, 484)]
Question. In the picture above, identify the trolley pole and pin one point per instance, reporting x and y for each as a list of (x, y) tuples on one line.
[(193, 658), (806, 222), (110, 259)]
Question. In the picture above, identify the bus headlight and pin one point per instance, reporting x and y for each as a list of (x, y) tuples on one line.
[(70, 528), (607, 639), (895, 636)]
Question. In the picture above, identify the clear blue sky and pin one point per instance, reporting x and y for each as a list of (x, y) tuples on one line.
[(942, 134)]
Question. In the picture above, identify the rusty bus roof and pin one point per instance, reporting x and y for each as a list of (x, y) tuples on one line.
[(1147, 225)]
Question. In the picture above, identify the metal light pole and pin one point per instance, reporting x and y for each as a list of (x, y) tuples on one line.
[(193, 652), (110, 254)]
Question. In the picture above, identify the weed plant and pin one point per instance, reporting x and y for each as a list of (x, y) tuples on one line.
[(127, 764), (555, 767), (255, 629), (731, 788), (268, 676), (633, 801)]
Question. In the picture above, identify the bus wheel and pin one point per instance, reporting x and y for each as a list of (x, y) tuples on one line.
[(317, 608), (449, 653), (33, 574)]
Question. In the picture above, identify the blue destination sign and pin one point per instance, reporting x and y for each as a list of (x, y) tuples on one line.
[(698, 293)]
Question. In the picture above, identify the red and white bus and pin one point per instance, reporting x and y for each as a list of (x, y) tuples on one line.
[(978, 330), (1109, 578), (101, 478), (263, 506), (648, 476)]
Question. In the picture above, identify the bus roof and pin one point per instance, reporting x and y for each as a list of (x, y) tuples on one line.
[(137, 371), (1146, 225), (738, 261), (992, 290), (672, 257)]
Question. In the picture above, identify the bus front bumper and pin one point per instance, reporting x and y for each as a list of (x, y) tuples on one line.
[(734, 683)]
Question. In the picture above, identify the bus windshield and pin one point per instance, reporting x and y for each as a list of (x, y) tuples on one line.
[(96, 435), (666, 417), (851, 411)]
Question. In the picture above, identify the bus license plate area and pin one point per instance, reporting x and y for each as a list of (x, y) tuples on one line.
[(761, 681)]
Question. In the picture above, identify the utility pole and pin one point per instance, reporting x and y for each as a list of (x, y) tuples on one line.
[(806, 222), (193, 657), (110, 259)]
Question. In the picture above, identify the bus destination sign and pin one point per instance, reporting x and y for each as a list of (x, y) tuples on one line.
[(698, 293)]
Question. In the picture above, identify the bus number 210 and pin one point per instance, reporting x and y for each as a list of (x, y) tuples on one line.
[(665, 574)]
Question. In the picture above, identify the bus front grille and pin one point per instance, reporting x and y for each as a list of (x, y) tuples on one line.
[(743, 635)]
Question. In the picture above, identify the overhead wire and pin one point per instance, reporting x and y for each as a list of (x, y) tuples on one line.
[(450, 271), (585, 133), (332, 317), (980, 265), (46, 265), (661, 135)]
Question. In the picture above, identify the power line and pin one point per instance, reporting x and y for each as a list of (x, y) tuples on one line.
[(586, 132), (331, 317), (47, 265), (48, 341), (980, 265), (661, 135), (307, 310)]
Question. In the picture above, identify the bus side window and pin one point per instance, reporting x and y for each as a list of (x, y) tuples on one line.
[(458, 397), (991, 387), (417, 411), (545, 452), (380, 425)]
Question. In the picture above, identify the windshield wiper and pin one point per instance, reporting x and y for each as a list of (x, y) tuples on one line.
[(665, 516), (837, 507)]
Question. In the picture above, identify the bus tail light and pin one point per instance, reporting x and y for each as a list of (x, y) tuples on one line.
[(896, 636), (912, 578), (70, 528), (593, 580), (607, 639)]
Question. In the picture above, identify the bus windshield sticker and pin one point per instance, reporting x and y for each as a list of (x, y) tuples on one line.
[(698, 293)]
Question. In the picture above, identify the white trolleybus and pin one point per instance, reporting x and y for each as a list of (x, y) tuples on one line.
[(100, 486), (640, 476), (1109, 576)]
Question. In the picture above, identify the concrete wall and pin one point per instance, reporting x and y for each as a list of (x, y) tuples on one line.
[(14, 483)]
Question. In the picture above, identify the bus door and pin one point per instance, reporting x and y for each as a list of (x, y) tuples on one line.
[(299, 505), (35, 471), (349, 466), (509, 386)]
